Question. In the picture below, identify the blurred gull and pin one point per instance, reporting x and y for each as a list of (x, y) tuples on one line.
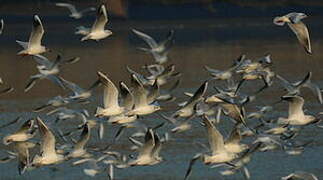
[(47, 69), (293, 20), (24, 133), (300, 175), (188, 109), (219, 154), (97, 31), (111, 105), (78, 92), (296, 114), (149, 151), (79, 147), (295, 88), (74, 13), (143, 105), (48, 154), (158, 50), (128, 103), (34, 47)]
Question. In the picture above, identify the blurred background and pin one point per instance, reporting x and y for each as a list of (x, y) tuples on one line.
[(174, 9), (207, 32)]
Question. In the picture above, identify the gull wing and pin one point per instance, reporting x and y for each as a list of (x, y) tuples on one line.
[(101, 20), (197, 95), (11, 122), (31, 83), (306, 80), (48, 139), (89, 9), (168, 72), (72, 86), (157, 146), (110, 95), (148, 39), (70, 7), (316, 90), (57, 61), (149, 145), (234, 111), (211, 70), (234, 136), (139, 92), (300, 175), (154, 93), (214, 136), (191, 164), (56, 80), (169, 119), (295, 105), (42, 60), (285, 83), (302, 35), (37, 32), (22, 44), (26, 126), (127, 96), (141, 77), (169, 39), (84, 138)]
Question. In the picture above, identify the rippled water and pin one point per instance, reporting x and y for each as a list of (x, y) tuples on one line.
[(212, 42)]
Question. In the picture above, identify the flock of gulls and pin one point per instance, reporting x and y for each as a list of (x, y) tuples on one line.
[(34, 144)]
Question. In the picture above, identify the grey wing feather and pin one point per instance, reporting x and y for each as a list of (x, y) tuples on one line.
[(55, 79), (214, 136), (84, 138), (37, 32), (142, 79), (316, 90), (234, 136), (197, 95), (148, 147), (70, 7), (148, 39), (48, 139), (127, 96), (302, 34), (42, 60), (154, 93), (22, 44), (110, 91), (30, 84), (101, 20), (88, 10), (139, 92), (72, 86), (287, 85), (190, 166), (211, 70), (26, 126), (157, 145)]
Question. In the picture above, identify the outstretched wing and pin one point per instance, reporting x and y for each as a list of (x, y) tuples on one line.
[(302, 35), (101, 20), (37, 32)]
